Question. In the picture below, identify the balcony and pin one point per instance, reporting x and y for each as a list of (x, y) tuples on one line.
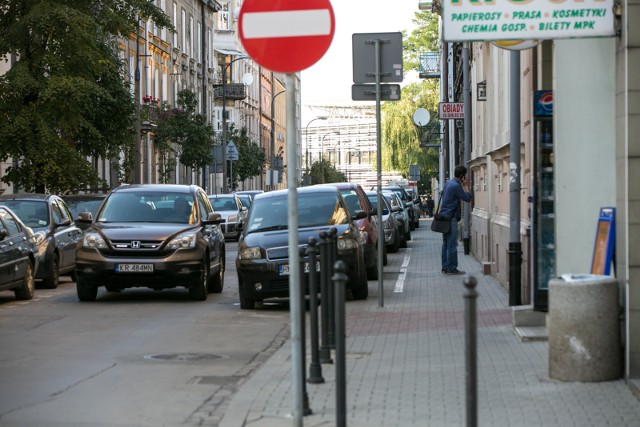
[(430, 65), (234, 91)]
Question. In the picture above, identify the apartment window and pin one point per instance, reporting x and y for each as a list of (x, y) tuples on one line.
[(199, 45), (175, 24), (209, 44), (183, 42), (163, 6), (191, 36), (223, 18)]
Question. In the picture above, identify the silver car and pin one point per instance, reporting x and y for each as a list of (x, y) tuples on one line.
[(230, 207)]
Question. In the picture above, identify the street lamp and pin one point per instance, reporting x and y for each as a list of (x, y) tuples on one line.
[(322, 153), (273, 143), (307, 132), (224, 121)]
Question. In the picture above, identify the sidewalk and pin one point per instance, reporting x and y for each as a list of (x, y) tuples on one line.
[(405, 361)]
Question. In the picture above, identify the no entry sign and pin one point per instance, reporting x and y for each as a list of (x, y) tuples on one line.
[(286, 35)]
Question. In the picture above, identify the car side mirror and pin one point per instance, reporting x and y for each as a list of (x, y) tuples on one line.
[(64, 223), (214, 218), (360, 215), (385, 211), (396, 209), (240, 226), (85, 217), (3, 233)]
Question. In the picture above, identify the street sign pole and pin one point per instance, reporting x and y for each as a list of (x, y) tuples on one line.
[(288, 36)]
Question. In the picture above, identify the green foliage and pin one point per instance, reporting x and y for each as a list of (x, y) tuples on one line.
[(186, 133), (400, 136), (251, 158), (64, 98), (323, 171)]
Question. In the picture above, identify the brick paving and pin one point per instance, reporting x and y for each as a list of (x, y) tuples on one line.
[(406, 362)]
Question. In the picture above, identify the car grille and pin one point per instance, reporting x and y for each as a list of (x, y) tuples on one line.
[(280, 253), (138, 248)]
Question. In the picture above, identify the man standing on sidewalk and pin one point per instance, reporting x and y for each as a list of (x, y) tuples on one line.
[(454, 191)]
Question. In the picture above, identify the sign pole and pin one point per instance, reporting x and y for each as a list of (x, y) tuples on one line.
[(379, 166)]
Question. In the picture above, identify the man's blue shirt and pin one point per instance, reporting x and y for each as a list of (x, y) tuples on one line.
[(451, 196)]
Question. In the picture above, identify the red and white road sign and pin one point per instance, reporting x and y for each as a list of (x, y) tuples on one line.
[(286, 35)]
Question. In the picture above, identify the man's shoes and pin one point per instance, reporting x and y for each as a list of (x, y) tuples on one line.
[(453, 272)]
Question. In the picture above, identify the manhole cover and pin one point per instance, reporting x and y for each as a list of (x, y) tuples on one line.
[(183, 357)]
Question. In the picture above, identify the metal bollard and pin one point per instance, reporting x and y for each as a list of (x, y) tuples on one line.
[(333, 256), (471, 349), (340, 283), (306, 410), (325, 279), (315, 368)]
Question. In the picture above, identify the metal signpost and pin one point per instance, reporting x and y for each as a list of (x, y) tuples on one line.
[(377, 58), (288, 36), (232, 154)]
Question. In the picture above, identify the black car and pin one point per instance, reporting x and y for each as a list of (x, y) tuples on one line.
[(262, 262), (392, 230), (158, 236), (18, 255), (88, 202), (407, 202), (55, 231)]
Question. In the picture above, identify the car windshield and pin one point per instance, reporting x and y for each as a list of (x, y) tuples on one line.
[(313, 210), (130, 206), (34, 213), (77, 206), (246, 200), (224, 204)]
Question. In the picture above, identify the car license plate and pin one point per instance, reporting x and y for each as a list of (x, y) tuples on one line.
[(284, 268), (134, 268)]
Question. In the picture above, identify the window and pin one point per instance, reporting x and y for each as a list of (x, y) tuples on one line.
[(11, 225), (183, 42), (223, 18), (163, 6), (191, 36), (198, 54), (175, 24)]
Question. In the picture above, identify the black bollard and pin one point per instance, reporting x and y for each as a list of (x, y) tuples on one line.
[(333, 257), (471, 353), (340, 283), (315, 368), (306, 410), (325, 281)]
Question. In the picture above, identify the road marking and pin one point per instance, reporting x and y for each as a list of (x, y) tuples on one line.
[(403, 272), (293, 23)]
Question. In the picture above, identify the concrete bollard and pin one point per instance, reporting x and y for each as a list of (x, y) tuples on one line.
[(584, 328)]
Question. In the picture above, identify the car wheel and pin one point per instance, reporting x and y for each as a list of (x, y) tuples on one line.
[(53, 276), (408, 235), (403, 239), (85, 292), (198, 288), (73, 275), (217, 281), (412, 225), (396, 243), (372, 272), (361, 291), (27, 289), (246, 303), (418, 222)]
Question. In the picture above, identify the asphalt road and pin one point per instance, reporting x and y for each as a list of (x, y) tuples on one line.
[(135, 358)]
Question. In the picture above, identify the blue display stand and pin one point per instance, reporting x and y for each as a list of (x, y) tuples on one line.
[(604, 246)]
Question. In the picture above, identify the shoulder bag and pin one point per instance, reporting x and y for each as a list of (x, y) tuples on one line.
[(441, 223)]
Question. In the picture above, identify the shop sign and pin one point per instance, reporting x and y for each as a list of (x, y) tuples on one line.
[(484, 20), (451, 110)]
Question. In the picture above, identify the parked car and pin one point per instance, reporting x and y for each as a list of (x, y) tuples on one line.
[(55, 231), (262, 262), (245, 199), (159, 236), (18, 255), (88, 202), (250, 193), (402, 216), (407, 203), (390, 224), (232, 211), (357, 200)]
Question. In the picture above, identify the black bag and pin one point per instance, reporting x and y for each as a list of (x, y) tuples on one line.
[(441, 223)]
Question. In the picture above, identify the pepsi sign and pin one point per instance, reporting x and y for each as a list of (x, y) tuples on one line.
[(543, 103)]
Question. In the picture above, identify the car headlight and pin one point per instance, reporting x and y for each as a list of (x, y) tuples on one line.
[(232, 218), (93, 240), (183, 241), (40, 237), (346, 244), (250, 253)]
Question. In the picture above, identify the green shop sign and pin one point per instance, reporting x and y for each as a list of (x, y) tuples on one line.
[(486, 20)]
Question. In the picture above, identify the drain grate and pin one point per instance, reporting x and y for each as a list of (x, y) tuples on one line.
[(183, 357)]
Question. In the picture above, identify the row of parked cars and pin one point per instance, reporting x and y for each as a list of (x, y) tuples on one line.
[(165, 236)]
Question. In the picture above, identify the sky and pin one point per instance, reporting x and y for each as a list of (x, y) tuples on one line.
[(328, 82)]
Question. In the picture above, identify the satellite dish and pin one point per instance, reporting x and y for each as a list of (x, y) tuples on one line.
[(421, 117), (247, 79)]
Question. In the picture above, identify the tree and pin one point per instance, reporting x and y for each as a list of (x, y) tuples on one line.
[(185, 133), (322, 171), (251, 158), (401, 137), (64, 98)]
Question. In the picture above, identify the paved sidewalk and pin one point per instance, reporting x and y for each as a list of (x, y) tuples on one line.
[(405, 361)]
